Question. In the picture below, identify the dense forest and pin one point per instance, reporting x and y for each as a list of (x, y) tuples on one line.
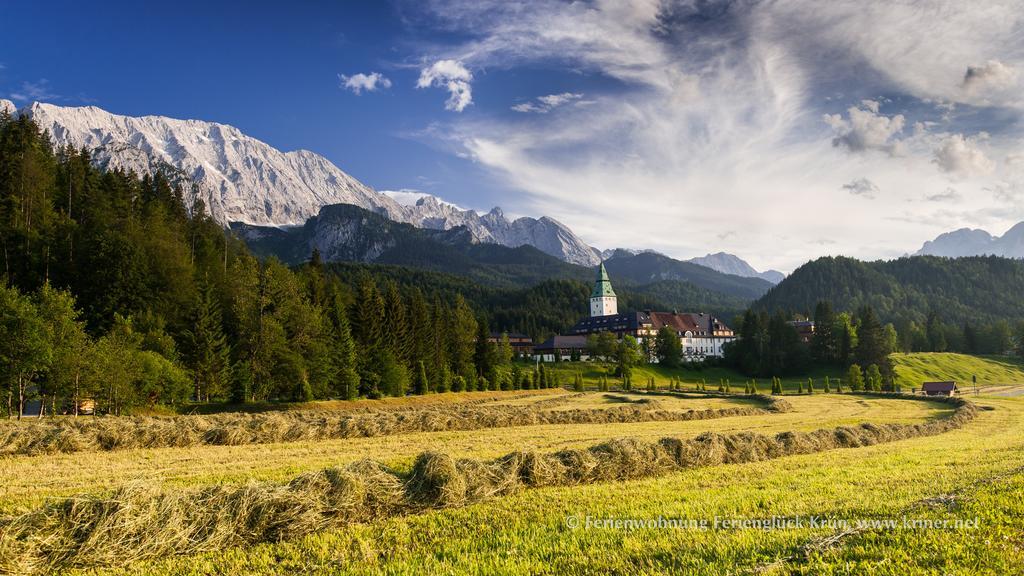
[(351, 234), (771, 345), (955, 291), (114, 290)]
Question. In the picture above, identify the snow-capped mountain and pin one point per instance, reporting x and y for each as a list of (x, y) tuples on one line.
[(730, 264), (239, 177), (973, 242), (546, 234), (242, 179)]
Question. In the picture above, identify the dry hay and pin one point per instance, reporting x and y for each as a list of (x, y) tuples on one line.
[(140, 522), (235, 429)]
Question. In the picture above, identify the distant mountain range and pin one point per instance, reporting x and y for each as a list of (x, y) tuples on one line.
[(243, 180), (730, 264), (346, 233), (973, 242)]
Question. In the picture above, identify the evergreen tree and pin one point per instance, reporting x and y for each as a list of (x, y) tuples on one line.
[(874, 378), (463, 333), (810, 386), (823, 343), (855, 378), (206, 348), (421, 385)]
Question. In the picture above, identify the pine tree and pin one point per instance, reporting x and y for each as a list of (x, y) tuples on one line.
[(421, 385), (800, 387), (810, 386), (753, 387), (346, 378), (828, 385), (855, 378)]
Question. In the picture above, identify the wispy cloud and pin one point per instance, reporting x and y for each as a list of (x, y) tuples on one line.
[(357, 83), (38, 91), (713, 118), (862, 187), (948, 195), (545, 104)]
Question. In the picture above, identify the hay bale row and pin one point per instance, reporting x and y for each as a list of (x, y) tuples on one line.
[(68, 435), (141, 522)]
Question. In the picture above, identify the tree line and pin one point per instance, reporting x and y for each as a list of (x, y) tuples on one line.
[(121, 289)]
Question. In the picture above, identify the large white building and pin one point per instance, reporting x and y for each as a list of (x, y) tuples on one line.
[(701, 335)]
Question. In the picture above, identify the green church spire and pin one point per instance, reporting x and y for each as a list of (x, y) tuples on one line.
[(603, 285)]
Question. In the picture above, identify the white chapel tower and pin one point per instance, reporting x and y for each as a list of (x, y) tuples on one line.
[(603, 301)]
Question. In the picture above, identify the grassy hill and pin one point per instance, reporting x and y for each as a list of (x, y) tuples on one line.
[(913, 369)]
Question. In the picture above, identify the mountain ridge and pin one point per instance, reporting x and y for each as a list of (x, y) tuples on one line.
[(976, 242), (243, 179), (731, 264)]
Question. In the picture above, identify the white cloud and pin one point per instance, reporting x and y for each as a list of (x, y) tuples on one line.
[(545, 104), (862, 187), (963, 156), (947, 195), (993, 76), (453, 76), (369, 82), (866, 129), (714, 119)]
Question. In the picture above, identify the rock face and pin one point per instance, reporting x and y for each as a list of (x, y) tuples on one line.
[(546, 234), (731, 264), (972, 242), (241, 179)]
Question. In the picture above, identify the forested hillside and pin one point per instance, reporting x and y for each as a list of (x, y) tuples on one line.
[(957, 290), (114, 290), (647, 267)]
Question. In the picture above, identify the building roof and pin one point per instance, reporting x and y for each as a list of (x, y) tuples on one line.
[(679, 322), (562, 342), (699, 323), (511, 335), (938, 387), (603, 285), (625, 322)]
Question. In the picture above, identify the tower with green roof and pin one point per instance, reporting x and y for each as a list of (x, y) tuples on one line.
[(603, 301)]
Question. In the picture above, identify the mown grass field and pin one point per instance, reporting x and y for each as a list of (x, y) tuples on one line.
[(911, 370), (974, 471)]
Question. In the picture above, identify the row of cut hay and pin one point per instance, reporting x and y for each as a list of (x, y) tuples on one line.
[(117, 433), (139, 522)]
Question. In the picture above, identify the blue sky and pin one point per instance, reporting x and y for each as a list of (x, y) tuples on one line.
[(778, 131), (270, 71)]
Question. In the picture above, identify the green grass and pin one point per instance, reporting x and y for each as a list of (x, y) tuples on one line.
[(913, 369), (712, 375), (528, 533)]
